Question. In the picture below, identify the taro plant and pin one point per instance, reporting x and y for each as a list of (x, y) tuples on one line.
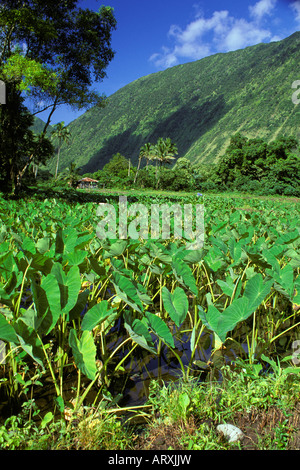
[(74, 304)]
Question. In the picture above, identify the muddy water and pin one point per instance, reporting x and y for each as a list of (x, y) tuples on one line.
[(132, 384)]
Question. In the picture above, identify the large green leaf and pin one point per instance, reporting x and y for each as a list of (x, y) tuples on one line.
[(46, 299), (256, 291), (69, 284), (184, 275), (7, 332), (223, 322), (214, 259), (84, 352), (126, 290), (176, 304), (139, 332), (239, 310), (96, 315), (29, 341), (116, 249), (160, 329)]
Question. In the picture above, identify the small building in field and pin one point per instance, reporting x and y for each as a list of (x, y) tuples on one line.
[(87, 183)]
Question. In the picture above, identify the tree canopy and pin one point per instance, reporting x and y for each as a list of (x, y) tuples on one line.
[(52, 52), (257, 161)]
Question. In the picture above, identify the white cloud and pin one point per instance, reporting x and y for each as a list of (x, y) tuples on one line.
[(219, 33), (243, 34), (262, 8), (295, 6)]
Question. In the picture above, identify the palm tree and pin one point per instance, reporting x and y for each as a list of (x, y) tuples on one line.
[(165, 151), (73, 175), (61, 133), (146, 152)]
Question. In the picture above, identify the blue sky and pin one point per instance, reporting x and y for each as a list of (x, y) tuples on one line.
[(153, 35)]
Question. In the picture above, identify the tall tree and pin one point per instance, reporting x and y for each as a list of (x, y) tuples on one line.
[(62, 133), (17, 141), (147, 152), (53, 52), (73, 175), (165, 151)]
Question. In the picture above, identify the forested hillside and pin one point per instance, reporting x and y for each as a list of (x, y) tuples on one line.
[(199, 105)]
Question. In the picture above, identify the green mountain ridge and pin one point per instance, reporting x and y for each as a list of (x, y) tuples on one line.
[(38, 126), (199, 105)]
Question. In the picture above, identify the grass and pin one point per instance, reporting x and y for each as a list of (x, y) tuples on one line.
[(155, 192), (182, 415)]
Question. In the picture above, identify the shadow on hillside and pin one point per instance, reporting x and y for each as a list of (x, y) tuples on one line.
[(127, 143), (185, 126), (190, 122)]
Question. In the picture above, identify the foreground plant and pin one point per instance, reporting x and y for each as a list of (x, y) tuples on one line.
[(74, 305)]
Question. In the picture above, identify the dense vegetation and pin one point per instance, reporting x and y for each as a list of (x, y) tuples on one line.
[(199, 105), (84, 319), (248, 165), (40, 60), (76, 307)]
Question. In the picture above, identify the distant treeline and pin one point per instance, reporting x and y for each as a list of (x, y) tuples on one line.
[(248, 165)]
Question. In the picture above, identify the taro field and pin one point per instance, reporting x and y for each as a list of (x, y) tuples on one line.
[(82, 317)]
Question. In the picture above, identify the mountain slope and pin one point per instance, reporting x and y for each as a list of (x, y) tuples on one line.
[(199, 105), (38, 126)]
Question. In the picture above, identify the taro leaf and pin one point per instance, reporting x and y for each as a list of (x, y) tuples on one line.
[(222, 322), (98, 268), (126, 290), (159, 252), (283, 280), (219, 226), (83, 239), (29, 341), (240, 309), (69, 284), (9, 286), (184, 275), (75, 258), (176, 304), (258, 260), (142, 293), (30, 318), (84, 352), (43, 245), (6, 255), (296, 298), (295, 258), (138, 332), (160, 329), (46, 299), (235, 249), (40, 262), (96, 315), (70, 236), (28, 245), (192, 256), (116, 249), (80, 306), (7, 332), (214, 259), (119, 267), (59, 243), (227, 286), (288, 237), (256, 291)]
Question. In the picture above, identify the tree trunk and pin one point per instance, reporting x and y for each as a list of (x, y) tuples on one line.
[(57, 163), (138, 168)]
